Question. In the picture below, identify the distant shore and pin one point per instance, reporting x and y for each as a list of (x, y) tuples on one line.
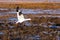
[(31, 5)]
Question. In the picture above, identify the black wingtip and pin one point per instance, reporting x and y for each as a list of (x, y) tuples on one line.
[(20, 12), (17, 8)]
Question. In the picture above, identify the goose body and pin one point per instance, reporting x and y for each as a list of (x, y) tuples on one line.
[(20, 17)]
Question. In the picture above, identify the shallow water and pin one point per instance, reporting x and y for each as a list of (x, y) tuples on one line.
[(39, 11), (34, 11)]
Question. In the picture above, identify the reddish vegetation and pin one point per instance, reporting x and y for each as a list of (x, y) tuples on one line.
[(31, 5)]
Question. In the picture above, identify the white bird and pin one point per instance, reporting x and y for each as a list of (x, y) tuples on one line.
[(20, 16)]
